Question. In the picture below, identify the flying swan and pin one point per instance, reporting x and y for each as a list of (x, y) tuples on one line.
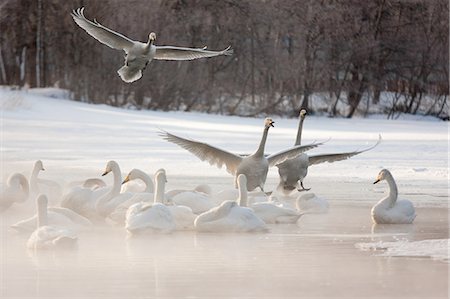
[(254, 166), (389, 210), (295, 170), (139, 54)]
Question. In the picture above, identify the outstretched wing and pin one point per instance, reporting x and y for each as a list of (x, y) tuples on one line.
[(290, 153), (317, 159), (180, 53), (206, 152), (104, 35)]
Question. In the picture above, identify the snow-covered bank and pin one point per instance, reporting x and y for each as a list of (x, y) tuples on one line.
[(75, 139)]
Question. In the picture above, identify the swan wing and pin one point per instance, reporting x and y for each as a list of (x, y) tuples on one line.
[(101, 33), (317, 159), (180, 53), (206, 152), (72, 215), (290, 153)]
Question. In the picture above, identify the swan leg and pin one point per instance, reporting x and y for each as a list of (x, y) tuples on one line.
[(303, 188)]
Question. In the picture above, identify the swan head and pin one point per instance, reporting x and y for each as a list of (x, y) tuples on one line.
[(382, 175), (152, 37), (268, 122), (206, 189), (42, 200), (38, 165), (242, 180), (109, 167), (303, 113), (132, 175), (160, 176)]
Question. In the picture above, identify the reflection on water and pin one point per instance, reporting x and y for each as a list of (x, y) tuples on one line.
[(315, 257)]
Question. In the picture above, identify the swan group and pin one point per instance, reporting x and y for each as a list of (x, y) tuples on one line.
[(139, 54), (292, 172), (254, 166)]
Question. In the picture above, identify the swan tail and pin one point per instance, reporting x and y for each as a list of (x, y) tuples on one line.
[(129, 74)]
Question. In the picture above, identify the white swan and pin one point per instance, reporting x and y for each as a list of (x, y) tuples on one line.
[(107, 203), (230, 216), (182, 215), (267, 211), (82, 200), (58, 217), (37, 185), (254, 166), (311, 204), (118, 215), (198, 201), (47, 236), (139, 54), (293, 171), (151, 217), (389, 210), (16, 191)]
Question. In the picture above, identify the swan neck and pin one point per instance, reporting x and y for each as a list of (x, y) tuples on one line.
[(147, 181), (298, 140), (262, 144), (393, 192), (42, 217), (33, 178), (24, 185), (159, 191), (243, 196), (115, 190)]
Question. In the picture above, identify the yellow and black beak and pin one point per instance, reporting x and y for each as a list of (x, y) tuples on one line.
[(127, 179), (105, 173), (376, 181), (271, 123)]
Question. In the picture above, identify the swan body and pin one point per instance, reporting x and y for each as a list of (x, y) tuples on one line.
[(82, 199), (139, 54), (16, 191), (57, 217), (390, 210), (47, 236), (229, 216), (254, 166), (293, 171), (312, 204), (267, 211), (151, 217), (118, 215), (198, 202)]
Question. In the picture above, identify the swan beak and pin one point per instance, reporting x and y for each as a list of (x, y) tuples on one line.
[(376, 181), (105, 173), (127, 179), (271, 124)]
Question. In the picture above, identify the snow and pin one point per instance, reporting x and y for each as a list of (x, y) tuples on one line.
[(437, 249)]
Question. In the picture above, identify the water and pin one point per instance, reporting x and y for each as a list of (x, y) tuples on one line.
[(314, 258)]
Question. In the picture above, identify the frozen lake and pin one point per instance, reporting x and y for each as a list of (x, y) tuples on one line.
[(320, 256)]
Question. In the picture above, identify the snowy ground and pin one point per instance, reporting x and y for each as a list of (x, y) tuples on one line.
[(75, 140)]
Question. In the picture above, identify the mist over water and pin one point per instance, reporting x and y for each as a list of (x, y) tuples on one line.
[(315, 257)]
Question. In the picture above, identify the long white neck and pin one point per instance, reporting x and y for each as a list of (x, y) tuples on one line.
[(243, 195), (260, 151), (146, 179), (159, 191), (20, 180), (42, 217), (24, 185), (115, 190), (298, 140), (33, 179), (393, 192)]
